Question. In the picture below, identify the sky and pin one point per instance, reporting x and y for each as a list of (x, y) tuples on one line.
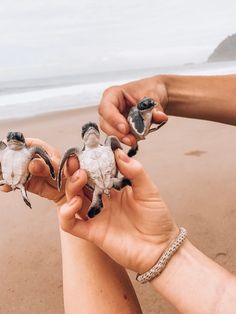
[(65, 37)]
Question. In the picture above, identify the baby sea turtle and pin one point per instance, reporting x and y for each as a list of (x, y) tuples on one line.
[(140, 121), (99, 162), (15, 157)]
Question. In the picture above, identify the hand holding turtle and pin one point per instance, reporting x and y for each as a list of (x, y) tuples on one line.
[(118, 100), (135, 225), (99, 162), (41, 182)]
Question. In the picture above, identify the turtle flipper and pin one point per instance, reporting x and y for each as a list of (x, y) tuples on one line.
[(42, 153), (68, 153), (157, 128), (113, 142), (120, 183), (2, 145), (133, 151), (25, 196), (96, 204)]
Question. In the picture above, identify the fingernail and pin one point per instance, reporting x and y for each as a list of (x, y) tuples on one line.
[(73, 200), (75, 176), (123, 156), (126, 141), (121, 127)]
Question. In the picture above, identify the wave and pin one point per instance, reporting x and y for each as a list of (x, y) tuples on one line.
[(58, 98)]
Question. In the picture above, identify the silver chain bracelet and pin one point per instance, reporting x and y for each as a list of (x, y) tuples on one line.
[(160, 265)]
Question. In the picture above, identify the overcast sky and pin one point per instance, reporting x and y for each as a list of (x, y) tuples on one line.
[(57, 37)]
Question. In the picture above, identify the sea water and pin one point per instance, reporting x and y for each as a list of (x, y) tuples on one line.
[(59, 54)]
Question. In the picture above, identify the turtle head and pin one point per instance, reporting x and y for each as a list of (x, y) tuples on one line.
[(146, 104), (15, 140), (90, 134)]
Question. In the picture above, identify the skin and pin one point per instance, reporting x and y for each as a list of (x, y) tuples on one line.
[(191, 282), (211, 288), (41, 183), (135, 227), (79, 256), (200, 97)]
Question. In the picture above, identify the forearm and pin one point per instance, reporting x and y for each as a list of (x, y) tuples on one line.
[(92, 282), (193, 283), (202, 97)]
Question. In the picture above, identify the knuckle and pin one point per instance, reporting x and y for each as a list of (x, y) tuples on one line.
[(100, 108), (101, 123), (103, 104), (63, 221), (64, 227), (138, 167), (110, 90)]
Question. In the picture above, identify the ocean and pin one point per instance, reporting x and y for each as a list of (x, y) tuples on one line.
[(59, 54)]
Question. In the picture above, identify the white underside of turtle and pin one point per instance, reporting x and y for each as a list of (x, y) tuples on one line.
[(14, 166), (15, 157), (99, 163), (100, 166), (140, 122)]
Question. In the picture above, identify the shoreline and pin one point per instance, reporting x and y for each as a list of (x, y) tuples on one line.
[(45, 115), (46, 100)]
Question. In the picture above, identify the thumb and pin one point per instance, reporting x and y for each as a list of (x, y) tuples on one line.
[(159, 116), (142, 185), (68, 221), (37, 167), (75, 184)]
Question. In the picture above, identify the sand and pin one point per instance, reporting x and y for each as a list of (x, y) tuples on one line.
[(193, 164)]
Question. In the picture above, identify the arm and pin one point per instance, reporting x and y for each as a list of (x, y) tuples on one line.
[(193, 283), (201, 97), (137, 221), (93, 282)]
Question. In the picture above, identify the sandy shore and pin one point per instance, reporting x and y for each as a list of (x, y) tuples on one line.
[(193, 163)]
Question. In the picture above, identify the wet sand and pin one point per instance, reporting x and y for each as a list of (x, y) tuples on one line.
[(193, 164)]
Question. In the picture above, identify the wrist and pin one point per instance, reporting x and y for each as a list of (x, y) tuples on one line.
[(162, 90), (153, 248), (166, 256), (192, 282), (182, 256)]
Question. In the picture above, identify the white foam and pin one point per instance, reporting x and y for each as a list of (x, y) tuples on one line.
[(83, 95)]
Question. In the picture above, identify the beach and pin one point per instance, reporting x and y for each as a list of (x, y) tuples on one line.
[(193, 164)]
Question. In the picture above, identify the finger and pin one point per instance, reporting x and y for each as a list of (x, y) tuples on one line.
[(142, 185), (128, 139), (68, 221), (75, 184), (74, 187), (38, 168), (110, 108), (5, 188), (72, 165), (159, 116), (109, 129), (52, 152)]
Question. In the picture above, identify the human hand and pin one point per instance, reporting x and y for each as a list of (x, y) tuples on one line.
[(41, 182), (117, 101), (135, 225)]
